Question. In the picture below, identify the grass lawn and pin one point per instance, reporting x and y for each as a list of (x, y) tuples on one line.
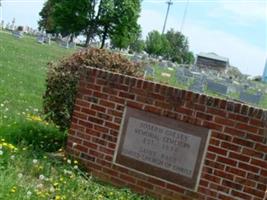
[(22, 74), (27, 169)]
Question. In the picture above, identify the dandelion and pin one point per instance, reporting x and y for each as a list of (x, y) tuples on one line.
[(34, 161), (75, 162), (75, 167), (57, 197), (69, 161), (52, 189), (39, 186), (29, 193), (13, 189), (41, 177)]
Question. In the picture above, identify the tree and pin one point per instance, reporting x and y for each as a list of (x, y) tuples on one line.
[(138, 45), (179, 49), (156, 44), (115, 19), (47, 21), (118, 19), (71, 17)]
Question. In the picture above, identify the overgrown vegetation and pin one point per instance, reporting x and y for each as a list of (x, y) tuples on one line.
[(63, 77)]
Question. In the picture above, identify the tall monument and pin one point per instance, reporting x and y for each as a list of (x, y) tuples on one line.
[(264, 76)]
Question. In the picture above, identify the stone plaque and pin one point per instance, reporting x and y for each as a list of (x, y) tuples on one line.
[(162, 147)]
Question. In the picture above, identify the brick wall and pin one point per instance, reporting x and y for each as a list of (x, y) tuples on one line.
[(235, 166)]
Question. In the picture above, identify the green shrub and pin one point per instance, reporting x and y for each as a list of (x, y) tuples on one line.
[(38, 135), (63, 77)]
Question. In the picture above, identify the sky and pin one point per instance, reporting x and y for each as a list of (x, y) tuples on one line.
[(236, 29)]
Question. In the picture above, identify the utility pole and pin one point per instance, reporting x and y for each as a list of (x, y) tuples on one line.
[(166, 18)]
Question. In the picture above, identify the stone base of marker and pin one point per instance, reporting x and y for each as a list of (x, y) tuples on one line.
[(153, 138)]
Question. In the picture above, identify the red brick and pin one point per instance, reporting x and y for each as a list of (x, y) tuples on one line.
[(145, 184), (100, 95), (248, 167), (110, 91), (127, 178), (245, 181), (217, 150), (243, 142), (253, 137), (224, 121), (153, 109), (88, 111), (204, 116), (127, 95), (95, 120), (261, 147), (252, 153), (232, 184), (239, 157), (117, 99), (184, 110), (230, 146), (219, 188), (108, 104), (98, 108), (89, 144), (211, 178), (235, 171), (134, 104), (85, 124), (112, 125), (226, 161), (212, 125), (214, 111), (236, 117), (261, 163), (254, 192), (256, 122), (224, 175), (247, 127), (233, 131), (241, 195)]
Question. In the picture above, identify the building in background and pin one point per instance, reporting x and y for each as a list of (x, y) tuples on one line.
[(212, 61), (264, 76)]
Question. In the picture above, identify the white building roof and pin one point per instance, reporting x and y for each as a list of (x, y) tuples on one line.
[(213, 56)]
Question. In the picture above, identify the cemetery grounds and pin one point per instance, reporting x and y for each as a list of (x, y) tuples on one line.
[(28, 169)]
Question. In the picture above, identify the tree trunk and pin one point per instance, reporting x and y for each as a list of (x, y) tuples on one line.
[(104, 37), (88, 38)]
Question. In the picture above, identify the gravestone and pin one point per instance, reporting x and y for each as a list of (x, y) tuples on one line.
[(180, 76), (64, 44), (216, 87), (47, 39), (198, 85), (250, 98), (17, 34), (163, 64), (162, 147), (40, 38), (187, 72), (149, 71)]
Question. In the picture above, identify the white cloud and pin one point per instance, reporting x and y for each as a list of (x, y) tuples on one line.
[(249, 10), (247, 57)]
